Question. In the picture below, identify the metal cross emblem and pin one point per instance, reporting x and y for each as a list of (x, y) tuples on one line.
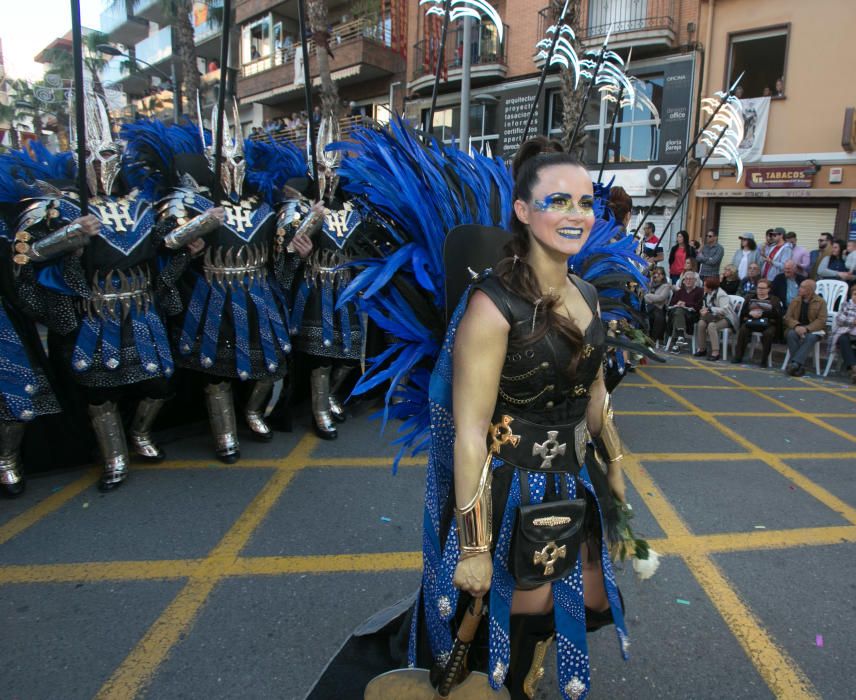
[(549, 557), (337, 221), (549, 450), (501, 434), (238, 218), (117, 215)]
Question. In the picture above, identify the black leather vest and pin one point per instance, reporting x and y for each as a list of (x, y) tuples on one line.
[(535, 383)]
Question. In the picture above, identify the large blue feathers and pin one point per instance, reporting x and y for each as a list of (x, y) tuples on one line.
[(270, 165)]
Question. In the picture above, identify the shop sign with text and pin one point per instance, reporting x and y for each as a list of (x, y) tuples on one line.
[(788, 177)]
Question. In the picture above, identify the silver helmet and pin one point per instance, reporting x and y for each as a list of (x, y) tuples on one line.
[(328, 161), (234, 166), (100, 144)]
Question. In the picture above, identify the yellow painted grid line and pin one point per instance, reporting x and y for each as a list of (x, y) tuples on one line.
[(138, 668), (828, 499), (811, 418), (779, 671), (50, 504)]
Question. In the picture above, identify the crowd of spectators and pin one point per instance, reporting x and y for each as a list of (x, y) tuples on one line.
[(777, 282)]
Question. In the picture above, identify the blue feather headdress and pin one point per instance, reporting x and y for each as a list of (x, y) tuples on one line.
[(270, 165), (149, 159), (417, 192), (21, 168)]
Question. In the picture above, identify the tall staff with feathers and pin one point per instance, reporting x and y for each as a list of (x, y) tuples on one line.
[(307, 86), (221, 98), (79, 112)]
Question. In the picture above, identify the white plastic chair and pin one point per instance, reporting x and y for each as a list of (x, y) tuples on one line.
[(735, 304), (822, 335), (834, 292), (757, 340)]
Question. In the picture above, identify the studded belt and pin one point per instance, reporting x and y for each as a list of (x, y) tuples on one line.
[(114, 293), (536, 447), (229, 265)]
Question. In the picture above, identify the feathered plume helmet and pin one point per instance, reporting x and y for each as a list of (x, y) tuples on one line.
[(19, 171), (270, 165), (151, 150)]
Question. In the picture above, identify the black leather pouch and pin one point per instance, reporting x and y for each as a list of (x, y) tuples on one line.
[(546, 541)]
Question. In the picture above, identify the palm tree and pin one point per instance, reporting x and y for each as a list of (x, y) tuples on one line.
[(178, 13), (94, 60), (317, 16), (572, 98)]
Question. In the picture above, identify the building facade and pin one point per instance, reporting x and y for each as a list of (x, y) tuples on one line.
[(801, 172)]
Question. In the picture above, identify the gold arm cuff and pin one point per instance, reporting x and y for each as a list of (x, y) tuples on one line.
[(475, 520), (609, 433)]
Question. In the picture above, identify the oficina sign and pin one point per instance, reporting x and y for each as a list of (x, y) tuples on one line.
[(788, 177)]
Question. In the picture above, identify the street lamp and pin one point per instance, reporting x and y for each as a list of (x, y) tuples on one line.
[(173, 83)]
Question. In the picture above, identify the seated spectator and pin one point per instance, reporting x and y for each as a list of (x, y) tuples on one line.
[(730, 282), (761, 313), (750, 282), (787, 284), (683, 310), (714, 316), (656, 300), (747, 254), (850, 260), (834, 265), (805, 320), (844, 334), (689, 266)]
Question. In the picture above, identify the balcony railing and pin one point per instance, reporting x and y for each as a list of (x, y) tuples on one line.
[(155, 48), (621, 15), (341, 34), (486, 49), (298, 136), (114, 16)]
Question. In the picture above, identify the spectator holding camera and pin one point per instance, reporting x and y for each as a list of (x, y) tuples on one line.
[(762, 313)]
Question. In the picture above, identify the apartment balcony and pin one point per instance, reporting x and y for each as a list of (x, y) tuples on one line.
[(361, 51), (207, 33), (121, 26), (152, 10), (117, 75), (488, 58), (155, 49), (643, 24)]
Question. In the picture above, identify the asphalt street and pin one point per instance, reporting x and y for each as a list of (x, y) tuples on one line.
[(197, 580)]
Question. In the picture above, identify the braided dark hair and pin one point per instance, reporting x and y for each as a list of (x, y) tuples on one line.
[(515, 273)]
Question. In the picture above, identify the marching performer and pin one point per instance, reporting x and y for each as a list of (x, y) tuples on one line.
[(102, 306), (235, 313), (330, 334)]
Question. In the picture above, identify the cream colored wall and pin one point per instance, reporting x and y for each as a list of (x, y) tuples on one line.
[(818, 73)]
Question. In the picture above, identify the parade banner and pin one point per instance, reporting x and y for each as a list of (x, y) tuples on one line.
[(756, 111)]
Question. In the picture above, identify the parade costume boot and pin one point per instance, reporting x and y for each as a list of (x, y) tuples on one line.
[(340, 374), (141, 430), (11, 481), (254, 411), (531, 636), (325, 428), (110, 435), (221, 414)]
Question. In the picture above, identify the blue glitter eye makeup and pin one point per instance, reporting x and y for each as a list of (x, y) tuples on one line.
[(563, 202)]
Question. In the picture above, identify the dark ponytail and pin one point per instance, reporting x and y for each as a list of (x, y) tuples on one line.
[(515, 273)]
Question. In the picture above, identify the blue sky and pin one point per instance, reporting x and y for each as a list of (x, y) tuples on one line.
[(27, 26)]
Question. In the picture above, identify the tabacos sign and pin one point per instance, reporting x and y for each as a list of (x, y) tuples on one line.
[(787, 177)]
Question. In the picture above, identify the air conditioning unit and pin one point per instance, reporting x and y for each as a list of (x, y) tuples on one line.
[(658, 174)]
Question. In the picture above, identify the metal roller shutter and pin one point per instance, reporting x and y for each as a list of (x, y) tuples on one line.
[(807, 222)]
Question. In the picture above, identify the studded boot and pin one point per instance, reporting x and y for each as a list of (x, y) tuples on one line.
[(531, 636), (140, 436), (221, 415), (319, 380), (340, 374), (11, 481), (110, 435), (254, 410)]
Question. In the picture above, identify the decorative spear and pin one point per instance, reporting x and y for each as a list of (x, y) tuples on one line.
[(79, 113)]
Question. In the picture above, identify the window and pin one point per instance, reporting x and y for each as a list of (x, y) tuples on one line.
[(636, 138), (761, 56), (256, 40), (447, 125)]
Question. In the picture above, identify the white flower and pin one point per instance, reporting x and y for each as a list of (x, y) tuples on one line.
[(646, 568)]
